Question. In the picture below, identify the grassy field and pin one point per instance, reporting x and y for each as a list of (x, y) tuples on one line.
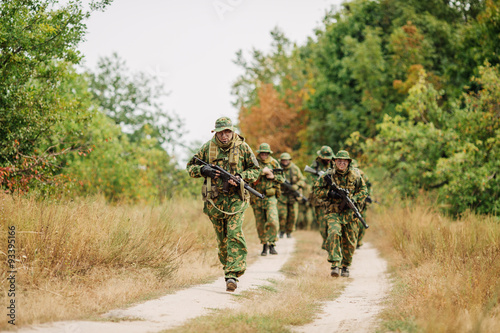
[(446, 272), (77, 260), (80, 259)]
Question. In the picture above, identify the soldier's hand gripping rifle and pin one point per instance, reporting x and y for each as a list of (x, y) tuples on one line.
[(295, 193), (314, 171), (344, 195), (226, 176)]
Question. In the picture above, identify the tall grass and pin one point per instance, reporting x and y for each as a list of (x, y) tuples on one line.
[(85, 257), (447, 271)]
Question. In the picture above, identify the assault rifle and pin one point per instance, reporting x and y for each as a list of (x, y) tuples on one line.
[(226, 176), (314, 171), (295, 193), (344, 194)]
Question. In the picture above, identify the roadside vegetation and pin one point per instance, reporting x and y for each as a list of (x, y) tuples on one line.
[(78, 259), (445, 271)]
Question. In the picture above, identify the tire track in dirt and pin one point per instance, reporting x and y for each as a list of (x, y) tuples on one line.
[(175, 309), (356, 309)]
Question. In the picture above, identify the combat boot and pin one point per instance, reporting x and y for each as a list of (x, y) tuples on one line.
[(335, 272), (282, 233), (231, 285), (288, 235), (345, 271), (264, 250), (272, 250)]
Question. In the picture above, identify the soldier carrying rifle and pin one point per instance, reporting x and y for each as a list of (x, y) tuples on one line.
[(338, 188), (227, 163)]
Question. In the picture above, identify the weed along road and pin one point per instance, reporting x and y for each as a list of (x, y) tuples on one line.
[(355, 310), (357, 307), (173, 310)]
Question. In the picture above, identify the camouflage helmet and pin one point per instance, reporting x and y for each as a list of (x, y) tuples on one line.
[(223, 123), (343, 155), (264, 148), (326, 153), (285, 156)]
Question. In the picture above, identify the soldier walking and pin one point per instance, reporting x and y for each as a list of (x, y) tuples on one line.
[(266, 210), (288, 206), (343, 227), (320, 165), (225, 202)]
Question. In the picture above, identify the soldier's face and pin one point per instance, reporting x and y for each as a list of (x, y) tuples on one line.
[(264, 155), (285, 162), (342, 164), (225, 136)]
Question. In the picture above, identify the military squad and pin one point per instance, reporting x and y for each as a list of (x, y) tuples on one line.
[(338, 194)]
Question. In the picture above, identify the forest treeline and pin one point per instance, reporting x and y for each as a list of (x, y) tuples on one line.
[(411, 88)]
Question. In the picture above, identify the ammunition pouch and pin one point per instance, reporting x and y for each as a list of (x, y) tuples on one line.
[(270, 192), (209, 194)]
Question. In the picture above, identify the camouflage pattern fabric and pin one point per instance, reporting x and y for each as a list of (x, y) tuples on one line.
[(342, 225), (288, 206), (319, 209), (228, 228), (305, 218), (266, 210)]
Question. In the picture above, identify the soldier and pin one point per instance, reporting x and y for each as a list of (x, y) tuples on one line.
[(368, 201), (225, 203), (266, 210), (288, 206), (343, 226), (321, 164)]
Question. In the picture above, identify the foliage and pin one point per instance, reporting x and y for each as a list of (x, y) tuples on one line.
[(133, 101), (38, 41)]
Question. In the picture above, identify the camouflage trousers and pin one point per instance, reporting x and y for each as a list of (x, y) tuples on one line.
[(305, 217), (288, 212), (323, 225), (342, 237), (266, 219), (228, 230)]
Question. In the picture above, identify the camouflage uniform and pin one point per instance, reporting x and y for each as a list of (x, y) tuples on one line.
[(288, 206), (362, 229), (228, 227), (319, 209), (343, 226), (266, 210), (305, 220)]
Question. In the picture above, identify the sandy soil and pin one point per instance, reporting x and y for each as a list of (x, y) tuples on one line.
[(173, 310), (357, 307), (354, 311)]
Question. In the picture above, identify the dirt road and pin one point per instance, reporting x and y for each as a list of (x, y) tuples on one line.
[(354, 311)]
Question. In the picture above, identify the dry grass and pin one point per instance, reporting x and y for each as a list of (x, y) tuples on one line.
[(294, 301), (79, 259), (447, 272)]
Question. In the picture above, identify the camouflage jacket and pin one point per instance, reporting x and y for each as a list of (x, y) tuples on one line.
[(247, 165), (317, 165), (351, 181), (264, 184), (295, 177)]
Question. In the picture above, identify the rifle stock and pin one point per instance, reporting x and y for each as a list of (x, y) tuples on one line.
[(295, 193), (313, 171)]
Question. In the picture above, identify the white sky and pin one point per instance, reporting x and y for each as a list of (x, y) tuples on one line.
[(191, 44)]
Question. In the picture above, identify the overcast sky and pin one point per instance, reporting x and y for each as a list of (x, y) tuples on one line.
[(191, 45)]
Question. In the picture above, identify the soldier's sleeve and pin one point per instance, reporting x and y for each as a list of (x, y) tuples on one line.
[(279, 177), (251, 169), (361, 192), (320, 190), (302, 179), (192, 167)]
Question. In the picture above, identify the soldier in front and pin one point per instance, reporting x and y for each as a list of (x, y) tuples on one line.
[(225, 202)]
